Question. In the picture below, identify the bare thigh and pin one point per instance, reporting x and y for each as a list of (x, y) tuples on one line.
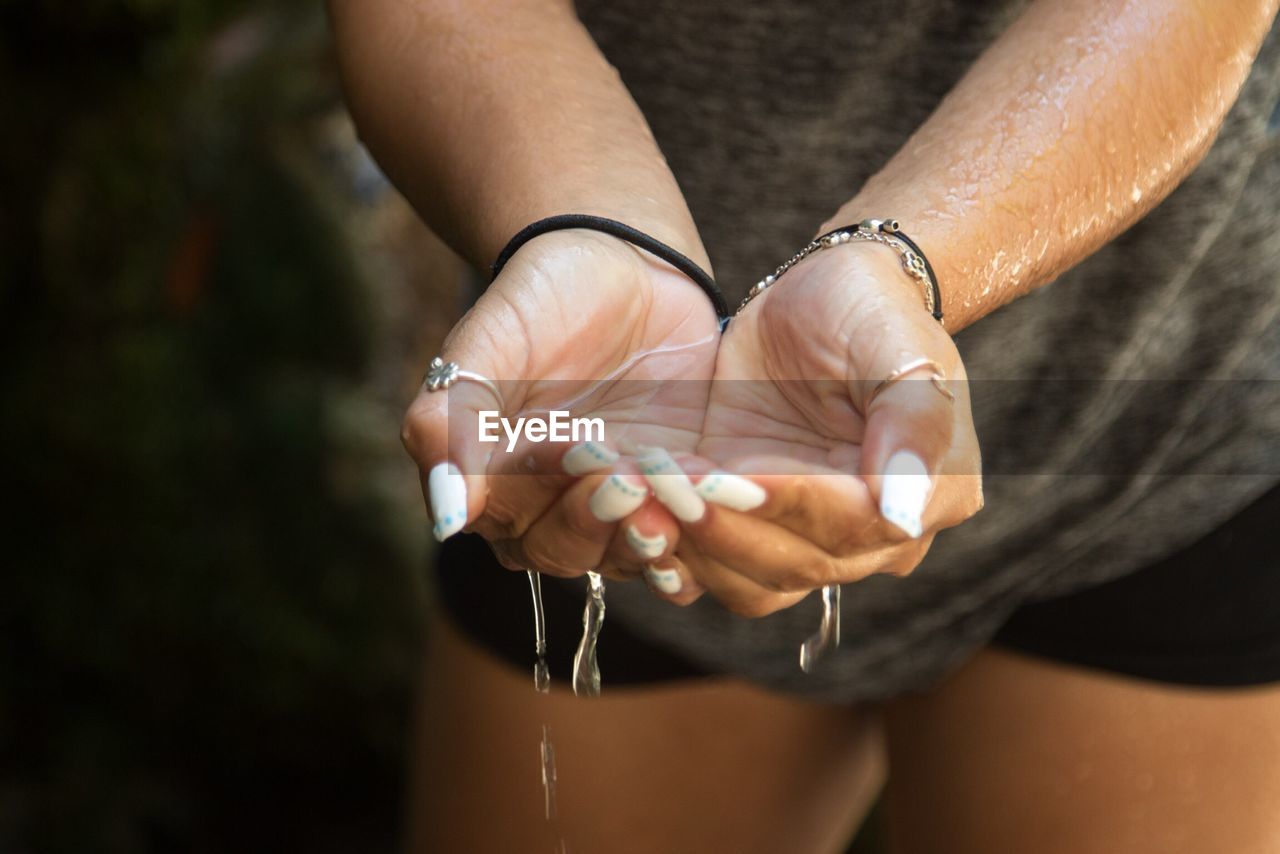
[(1016, 755), (706, 766)]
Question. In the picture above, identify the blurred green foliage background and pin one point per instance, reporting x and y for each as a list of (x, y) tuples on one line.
[(211, 599)]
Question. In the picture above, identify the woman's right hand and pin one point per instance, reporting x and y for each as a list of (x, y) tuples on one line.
[(577, 321)]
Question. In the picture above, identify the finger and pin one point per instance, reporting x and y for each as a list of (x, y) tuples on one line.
[(734, 591), (795, 528), (644, 536), (441, 428), (832, 509), (670, 485), (776, 558), (835, 510), (671, 580), (512, 556), (957, 493), (571, 537), (908, 437), (524, 483), (615, 572)]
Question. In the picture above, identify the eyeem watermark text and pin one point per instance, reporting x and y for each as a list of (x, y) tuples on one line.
[(558, 426)]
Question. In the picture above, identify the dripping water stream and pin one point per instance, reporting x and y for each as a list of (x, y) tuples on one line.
[(586, 667), (548, 774), (827, 637), (586, 673), (542, 684), (541, 673)]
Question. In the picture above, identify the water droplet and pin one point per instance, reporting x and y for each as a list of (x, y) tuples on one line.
[(828, 634), (541, 673), (548, 752), (541, 677), (586, 666)]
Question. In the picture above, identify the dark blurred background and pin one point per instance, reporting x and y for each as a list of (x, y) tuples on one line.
[(215, 310)]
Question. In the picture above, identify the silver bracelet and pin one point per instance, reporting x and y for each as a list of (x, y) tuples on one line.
[(882, 231)]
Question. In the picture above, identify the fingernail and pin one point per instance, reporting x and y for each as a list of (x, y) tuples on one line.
[(904, 491), (729, 490), (646, 547), (616, 498), (588, 457), (448, 492), (663, 577), (671, 485)]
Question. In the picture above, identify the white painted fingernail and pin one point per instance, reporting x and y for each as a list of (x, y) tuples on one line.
[(663, 580), (904, 491), (448, 490), (616, 498), (646, 547), (671, 485), (588, 457), (729, 490)]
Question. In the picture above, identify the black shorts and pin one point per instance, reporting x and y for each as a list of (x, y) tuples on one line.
[(1208, 615)]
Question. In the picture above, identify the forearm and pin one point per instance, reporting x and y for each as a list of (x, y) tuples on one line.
[(1075, 123), (489, 114)]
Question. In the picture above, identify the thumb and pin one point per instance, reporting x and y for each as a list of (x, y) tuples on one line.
[(910, 422), (441, 427)]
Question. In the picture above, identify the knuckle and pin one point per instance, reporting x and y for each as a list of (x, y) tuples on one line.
[(753, 607), (413, 430), (798, 500), (507, 555), (849, 540), (685, 599), (806, 576), (860, 566), (789, 580), (929, 414), (964, 499), (906, 560), (901, 568), (843, 543), (614, 571), (976, 500), (580, 525), (546, 481), (502, 519), (543, 558), (628, 571)]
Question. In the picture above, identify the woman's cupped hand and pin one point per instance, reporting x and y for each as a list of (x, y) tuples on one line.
[(756, 466)]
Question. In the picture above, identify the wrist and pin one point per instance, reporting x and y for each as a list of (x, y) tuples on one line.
[(638, 246), (891, 241), (862, 269), (876, 260), (661, 214), (913, 241)]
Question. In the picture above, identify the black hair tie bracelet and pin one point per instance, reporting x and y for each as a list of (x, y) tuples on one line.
[(625, 232)]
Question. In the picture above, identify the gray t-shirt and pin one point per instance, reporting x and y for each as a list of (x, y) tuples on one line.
[(1124, 410)]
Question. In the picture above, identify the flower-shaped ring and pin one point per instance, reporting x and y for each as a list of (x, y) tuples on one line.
[(441, 375)]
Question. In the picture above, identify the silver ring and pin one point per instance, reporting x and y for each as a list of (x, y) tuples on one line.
[(936, 374), (442, 375)]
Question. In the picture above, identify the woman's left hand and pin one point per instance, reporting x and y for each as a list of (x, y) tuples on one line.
[(811, 478)]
